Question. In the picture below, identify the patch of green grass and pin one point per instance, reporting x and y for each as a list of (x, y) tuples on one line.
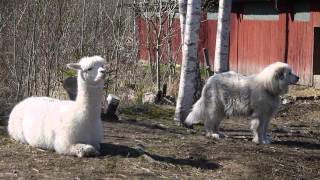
[(4, 139), (69, 73), (147, 111)]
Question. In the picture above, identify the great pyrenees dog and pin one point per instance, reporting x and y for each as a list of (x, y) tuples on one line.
[(231, 94)]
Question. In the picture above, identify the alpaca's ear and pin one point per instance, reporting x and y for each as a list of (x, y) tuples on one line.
[(74, 66)]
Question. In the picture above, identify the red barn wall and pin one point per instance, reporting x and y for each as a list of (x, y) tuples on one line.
[(300, 48), (211, 39), (233, 47), (255, 43), (259, 44), (142, 34)]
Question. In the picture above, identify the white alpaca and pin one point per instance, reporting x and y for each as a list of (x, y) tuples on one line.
[(68, 127)]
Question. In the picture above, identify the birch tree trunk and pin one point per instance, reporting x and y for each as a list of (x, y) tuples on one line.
[(182, 12), (82, 28), (158, 42), (31, 60), (189, 79), (221, 63)]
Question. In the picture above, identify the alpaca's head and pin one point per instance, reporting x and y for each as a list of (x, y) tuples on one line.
[(90, 69)]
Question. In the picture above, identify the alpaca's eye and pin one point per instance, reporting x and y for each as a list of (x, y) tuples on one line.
[(89, 69)]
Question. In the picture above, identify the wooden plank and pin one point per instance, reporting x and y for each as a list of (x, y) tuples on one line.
[(300, 50), (316, 81)]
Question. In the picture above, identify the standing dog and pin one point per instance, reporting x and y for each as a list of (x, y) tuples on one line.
[(232, 94)]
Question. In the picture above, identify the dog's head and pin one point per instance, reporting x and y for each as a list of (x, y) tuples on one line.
[(284, 77), (277, 77)]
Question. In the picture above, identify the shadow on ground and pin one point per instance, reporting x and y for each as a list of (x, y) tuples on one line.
[(299, 144), (125, 151)]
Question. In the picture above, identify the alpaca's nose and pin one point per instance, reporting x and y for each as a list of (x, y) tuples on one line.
[(102, 71)]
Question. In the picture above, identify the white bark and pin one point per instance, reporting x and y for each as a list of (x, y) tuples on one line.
[(182, 12), (222, 39), (189, 79), (158, 43), (82, 27)]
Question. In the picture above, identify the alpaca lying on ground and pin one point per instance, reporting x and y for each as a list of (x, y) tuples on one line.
[(68, 127)]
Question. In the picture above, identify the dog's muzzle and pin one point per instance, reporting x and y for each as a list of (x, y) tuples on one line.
[(295, 79)]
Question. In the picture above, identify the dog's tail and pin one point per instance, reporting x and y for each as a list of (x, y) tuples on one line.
[(197, 114)]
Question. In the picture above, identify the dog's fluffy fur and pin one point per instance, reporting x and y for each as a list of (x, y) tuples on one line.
[(232, 94)]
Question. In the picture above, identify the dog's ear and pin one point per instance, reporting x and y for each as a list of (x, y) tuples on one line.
[(280, 74)]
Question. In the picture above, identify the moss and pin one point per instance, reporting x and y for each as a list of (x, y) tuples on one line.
[(69, 73), (147, 111), (4, 139)]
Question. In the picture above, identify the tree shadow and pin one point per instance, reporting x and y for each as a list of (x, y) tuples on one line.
[(300, 144), (235, 130), (125, 151), (152, 126), (118, 150), (312, 158)]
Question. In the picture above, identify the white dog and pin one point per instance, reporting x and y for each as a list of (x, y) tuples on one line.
[(232, 94)]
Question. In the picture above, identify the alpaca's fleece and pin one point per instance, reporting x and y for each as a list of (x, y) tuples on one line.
[(68, 127)]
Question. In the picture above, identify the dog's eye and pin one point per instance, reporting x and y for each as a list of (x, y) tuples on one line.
[(281, 76)]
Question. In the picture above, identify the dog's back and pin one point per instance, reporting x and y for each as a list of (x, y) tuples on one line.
[(230, 91)]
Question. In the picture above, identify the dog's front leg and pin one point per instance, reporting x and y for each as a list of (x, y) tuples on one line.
[(259, 128), (265, 123)]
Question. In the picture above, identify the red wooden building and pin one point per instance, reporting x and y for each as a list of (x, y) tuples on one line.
[(262, 31)]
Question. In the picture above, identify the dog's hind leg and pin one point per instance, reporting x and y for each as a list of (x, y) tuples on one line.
[(254, 128), (212, 123)]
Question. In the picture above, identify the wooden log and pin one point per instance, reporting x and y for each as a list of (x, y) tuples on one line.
[(207, 63)]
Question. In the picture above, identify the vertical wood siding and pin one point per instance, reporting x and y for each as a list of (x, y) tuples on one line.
[(211, 39), (255, 43), (175, 37), (259, 44), (233, 51), (300, 49)]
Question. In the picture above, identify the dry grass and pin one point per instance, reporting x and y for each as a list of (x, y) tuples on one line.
[(146, 144)]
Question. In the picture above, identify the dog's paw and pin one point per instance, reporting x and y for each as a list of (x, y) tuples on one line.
[(189, 126), (266, 141), (263, 141), (255, 140)]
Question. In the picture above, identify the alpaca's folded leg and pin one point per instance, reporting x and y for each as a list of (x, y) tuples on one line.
[(83, 150), (97, 146)]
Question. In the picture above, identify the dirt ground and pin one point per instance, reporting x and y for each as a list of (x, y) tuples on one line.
[(146, 144)]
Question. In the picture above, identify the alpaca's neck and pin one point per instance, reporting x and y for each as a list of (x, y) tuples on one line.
[(88, 99)]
